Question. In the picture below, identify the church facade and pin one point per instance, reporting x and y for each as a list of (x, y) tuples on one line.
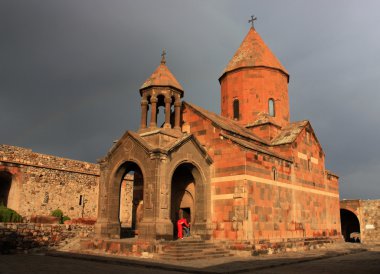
[(248, 173)]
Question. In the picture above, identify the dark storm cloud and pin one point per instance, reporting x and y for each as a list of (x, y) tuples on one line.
[(70, 70)]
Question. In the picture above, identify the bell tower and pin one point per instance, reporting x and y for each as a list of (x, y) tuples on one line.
[(254, 83), (161, 89)]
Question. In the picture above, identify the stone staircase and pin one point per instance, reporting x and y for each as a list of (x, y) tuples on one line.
[(190, 249)]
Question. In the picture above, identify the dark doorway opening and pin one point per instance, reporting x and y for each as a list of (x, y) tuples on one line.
[(350, 226), (186, 213), (182, 196), (131, 200), (5, 186)]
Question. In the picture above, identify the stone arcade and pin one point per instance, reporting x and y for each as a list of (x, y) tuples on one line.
[(247, 174)]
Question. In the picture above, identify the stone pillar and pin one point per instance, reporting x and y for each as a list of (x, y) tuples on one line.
[(144, 112), (164, 226), (105, 225), (147, 226), (168, 101), (177, 112), (153, 117)]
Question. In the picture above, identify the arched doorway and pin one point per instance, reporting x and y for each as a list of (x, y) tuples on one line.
[(5, 187), (183, 195), (131, 199), (350, 226)]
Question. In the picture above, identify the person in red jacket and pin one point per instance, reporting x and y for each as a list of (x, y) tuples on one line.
[(180, 223)]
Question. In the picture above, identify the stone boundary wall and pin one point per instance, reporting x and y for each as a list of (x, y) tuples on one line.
[(368, 214), (19, 237), (370, 221), (42, 183), (25, 156)]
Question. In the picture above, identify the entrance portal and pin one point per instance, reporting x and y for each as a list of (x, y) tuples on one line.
[(183, 196), (350, 226), (5, 186)]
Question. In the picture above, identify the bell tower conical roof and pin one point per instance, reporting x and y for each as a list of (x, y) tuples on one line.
[(162, 77), (253, 52)]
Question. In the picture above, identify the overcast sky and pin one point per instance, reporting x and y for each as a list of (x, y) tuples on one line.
[(70, 71)]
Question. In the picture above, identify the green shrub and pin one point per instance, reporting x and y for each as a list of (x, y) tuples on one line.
[(65, 218), (59, 214), (9, 215)]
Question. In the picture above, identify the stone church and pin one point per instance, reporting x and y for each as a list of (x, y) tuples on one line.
[(248, 173)]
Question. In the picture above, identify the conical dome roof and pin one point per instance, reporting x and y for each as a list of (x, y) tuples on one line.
[(253, 52), (162, 77)]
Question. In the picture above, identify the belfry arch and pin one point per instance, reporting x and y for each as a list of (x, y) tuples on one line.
[(160, 92), (350, 224)]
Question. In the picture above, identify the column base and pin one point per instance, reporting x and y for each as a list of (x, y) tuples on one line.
[(164, 229), (202, 229), (161, 229), (107, 230), (167, 126)]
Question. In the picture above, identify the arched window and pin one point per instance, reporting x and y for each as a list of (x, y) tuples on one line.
[(236, 109), (271, 107), (309, 167), (307, 137), (274, 174)]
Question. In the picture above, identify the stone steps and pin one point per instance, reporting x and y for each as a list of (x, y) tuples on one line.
[(191, 250), (191, 246), (174, 252)]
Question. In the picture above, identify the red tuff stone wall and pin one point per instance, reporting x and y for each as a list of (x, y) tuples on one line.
[(254, 87), (266, 131), (42, 183), (250, 202), (309, 161)]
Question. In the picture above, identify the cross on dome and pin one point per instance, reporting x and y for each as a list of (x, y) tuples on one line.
[(163, 60), (252, 21)]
